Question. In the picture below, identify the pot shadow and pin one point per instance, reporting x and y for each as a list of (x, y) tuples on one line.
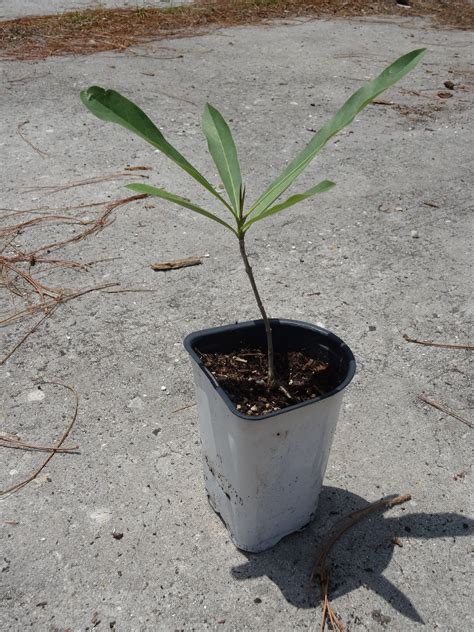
[(357, 559)]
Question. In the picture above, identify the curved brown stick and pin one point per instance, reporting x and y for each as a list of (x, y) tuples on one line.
[(320, 569), (18, 486)]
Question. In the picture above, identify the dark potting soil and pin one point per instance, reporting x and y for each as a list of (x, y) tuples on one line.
[(242, 375)]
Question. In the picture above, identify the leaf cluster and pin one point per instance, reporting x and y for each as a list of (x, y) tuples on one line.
[(111, 106)]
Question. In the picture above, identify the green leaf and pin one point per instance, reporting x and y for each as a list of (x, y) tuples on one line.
[(176, 199), (342, 118), (222, 149), (323, 186), (111, 106)]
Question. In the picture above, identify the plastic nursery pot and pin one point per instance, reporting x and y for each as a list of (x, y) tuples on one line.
[(263, 474)]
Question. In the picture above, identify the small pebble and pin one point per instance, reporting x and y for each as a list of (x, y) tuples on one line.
[(414, 234), (254, 409), (35, 396), (101, 516), (163, 388), (136, 402)]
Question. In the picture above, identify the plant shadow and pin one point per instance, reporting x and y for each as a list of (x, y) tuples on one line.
[(358, 559)]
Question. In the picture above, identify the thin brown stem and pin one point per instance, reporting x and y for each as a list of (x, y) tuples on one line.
[(59, 444), (18, 444), (445, 409), (442, 345), (271, 379)]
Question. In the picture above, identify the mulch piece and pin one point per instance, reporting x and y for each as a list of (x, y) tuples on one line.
[(242, 375), (93, 30)]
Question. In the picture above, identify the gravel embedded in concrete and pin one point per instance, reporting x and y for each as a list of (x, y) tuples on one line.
[(354, 267)]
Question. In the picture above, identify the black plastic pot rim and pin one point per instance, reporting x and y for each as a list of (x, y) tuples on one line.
[(191, 340)]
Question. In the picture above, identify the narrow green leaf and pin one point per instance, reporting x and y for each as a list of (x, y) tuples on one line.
[(222, 149), (111, 106), (342, 118), (176, 199), (323, 186)]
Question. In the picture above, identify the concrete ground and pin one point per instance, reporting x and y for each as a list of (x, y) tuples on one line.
[(11, 9), (386, 252)]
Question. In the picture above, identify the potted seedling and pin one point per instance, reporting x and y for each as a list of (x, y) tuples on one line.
[(268, 391)]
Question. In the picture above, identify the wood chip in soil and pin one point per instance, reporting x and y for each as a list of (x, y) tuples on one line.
[(242, 375)]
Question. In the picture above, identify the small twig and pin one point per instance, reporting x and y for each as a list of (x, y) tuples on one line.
[(12, 212), (445, 409), (178, 410), (26, 336), (96, 261), (48, 305), (126, 290), (442, 345), (23, 137), (320, 568), (352, 519), (55, 188), (41, 290), (18, 444), (39, 220), (64, 263), (175, 265), (18, 486), (95, 225), (47, 209)]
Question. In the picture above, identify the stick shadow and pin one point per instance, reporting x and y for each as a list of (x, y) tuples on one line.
[(357, 559)]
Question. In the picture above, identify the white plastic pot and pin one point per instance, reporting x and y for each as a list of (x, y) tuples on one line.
[(263, 474)]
